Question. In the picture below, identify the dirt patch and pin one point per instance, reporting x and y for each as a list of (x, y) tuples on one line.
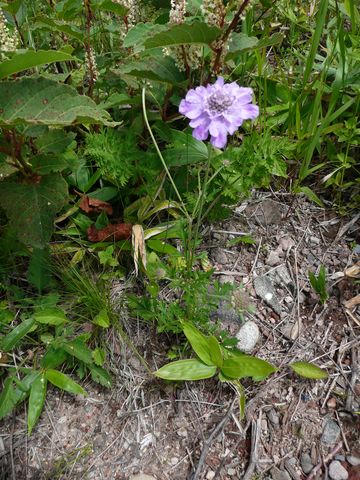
[(294, 428)]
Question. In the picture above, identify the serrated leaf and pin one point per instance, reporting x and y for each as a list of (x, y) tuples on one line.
[(185, 33), (159, 69), (110, 6), (31, 207), (191, 369), (38, 272), (64, 382), (40, 101), (241, 43), (101, 376), (79, 350), (308, 370), (36, 400), (14, 337), (99, 356), (242, 366), (57, 25), (51, 316), (54, 141), (25, 60), (102, 319), (137, 35)]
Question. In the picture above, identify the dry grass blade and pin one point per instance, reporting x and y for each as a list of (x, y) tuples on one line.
[(138, 243)]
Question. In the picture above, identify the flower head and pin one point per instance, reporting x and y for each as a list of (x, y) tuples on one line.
[(218, 109)]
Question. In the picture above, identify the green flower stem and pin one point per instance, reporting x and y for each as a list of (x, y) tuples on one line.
[(161, 157)]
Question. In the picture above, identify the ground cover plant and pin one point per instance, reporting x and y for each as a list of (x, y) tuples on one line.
[(128, 129)]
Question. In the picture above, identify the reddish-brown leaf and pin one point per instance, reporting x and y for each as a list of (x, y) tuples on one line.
[(117, 231), (90, 205)]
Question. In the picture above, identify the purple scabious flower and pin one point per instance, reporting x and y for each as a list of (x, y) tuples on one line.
[(218, 109)]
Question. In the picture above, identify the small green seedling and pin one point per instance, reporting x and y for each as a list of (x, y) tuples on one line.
[(230, 365), (318, 283)]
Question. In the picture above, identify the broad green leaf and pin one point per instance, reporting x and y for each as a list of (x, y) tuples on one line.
[(102, 319), (45, 164), (47, 23), (8, 398), (191, 369), (31, 207), (185, 33), (242, 366), (215, 351), (185, 150), (12, 7), (241, 43), (78, 349), (199, 342), (36, 400), (308, 370), (111, 6), (14, 337), (24, 385), (40, 101), (137, 35), (160, 69), (55, 141), (64, 382), (162, 247), (100, 375), (23, 61), (38, 273), (53, 358), (51, 316)]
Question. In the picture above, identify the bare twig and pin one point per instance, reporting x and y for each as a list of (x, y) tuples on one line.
[(216, 431), (255, 436), (325, 460)]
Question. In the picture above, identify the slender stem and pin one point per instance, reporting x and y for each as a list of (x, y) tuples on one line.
[(90, 65), (161, 157), (201, 206), (226, 35)]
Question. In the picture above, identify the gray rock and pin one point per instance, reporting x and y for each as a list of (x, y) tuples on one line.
[(268, 212), (331, 432), (273, 258), (283, 275), (266, 291), (341, 458), (306, 463), (273, 417), (286, 243), (277, 474), (227, 313), (337, 471), (248, 336), (354, 461), (219, 256)]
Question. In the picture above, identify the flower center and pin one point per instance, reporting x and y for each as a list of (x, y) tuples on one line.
[(219, 102)]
